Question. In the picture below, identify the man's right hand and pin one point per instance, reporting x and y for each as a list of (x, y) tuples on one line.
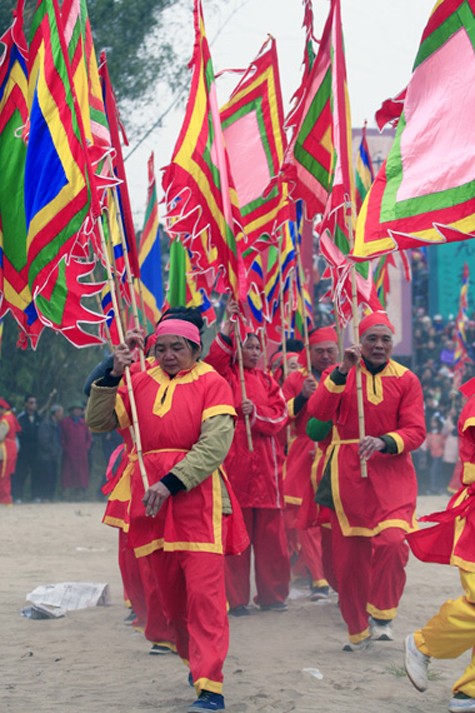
[(351, 357), (308, 387)]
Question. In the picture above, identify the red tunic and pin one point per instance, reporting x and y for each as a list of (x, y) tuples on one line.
[(170, 413), (452, 541), (256, 477), (302, 449), (9, 452), (76, 440), (393, 405)]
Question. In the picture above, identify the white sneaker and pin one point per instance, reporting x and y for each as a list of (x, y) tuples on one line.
[(462, 705), (360, 646), (416, 664), (381, 632)]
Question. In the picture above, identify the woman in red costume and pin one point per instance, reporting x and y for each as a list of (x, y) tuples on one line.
[(9, 427), (256, 476), (188, 516)]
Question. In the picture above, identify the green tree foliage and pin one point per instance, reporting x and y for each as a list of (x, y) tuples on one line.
[(122, 28), (55, 364)]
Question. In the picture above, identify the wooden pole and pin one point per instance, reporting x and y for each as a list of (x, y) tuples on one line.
[(356, 338), (128, 271), (243, 385), (285, 366), (128, 378)]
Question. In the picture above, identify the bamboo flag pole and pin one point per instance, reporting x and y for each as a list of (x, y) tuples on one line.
[(356, 338), (243, 385), (263, 341), (128, 271), (128, 378)]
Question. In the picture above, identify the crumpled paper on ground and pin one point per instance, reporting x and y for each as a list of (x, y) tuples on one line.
[(50, 601)]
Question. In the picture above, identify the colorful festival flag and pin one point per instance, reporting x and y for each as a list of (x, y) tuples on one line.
[(336, 226), (425, 191), (253, 121), (59, 186), (150, 256), (200, 195), (116, 130), (14, 288), (364, 175), (308, 159)]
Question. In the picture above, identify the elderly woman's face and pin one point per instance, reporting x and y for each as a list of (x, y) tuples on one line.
[(174, 354)]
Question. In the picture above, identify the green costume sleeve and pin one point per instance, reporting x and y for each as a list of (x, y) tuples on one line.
[(318, 430)]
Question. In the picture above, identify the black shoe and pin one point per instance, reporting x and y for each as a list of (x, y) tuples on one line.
[(130, 618), (207, 701), (239, 611), (159, 650), (275, 606)]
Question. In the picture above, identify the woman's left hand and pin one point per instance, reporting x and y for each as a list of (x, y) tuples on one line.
[(154, 498), (247, 407), (369, 445)]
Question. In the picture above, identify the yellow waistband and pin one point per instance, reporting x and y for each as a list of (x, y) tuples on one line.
[(133, 455), (337, 442)]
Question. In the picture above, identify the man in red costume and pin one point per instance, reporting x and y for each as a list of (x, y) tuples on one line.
[(451, 631), (305, 545), (256, 476), (9, 428), (370, 515)]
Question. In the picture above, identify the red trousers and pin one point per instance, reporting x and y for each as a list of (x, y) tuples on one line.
[(5, 490), (193, 594), (370, 576), (266, 532), (141, 589), (305, 548)]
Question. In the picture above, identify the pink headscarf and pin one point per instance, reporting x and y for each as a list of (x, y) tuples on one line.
[(180, 327)]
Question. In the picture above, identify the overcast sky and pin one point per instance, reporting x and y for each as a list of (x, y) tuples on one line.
[(381, 42)]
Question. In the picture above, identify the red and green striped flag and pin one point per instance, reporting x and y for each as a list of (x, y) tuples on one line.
[(253, 126), (59, 184), (13, 247), (424, 193), (308, 160), (200, 194)]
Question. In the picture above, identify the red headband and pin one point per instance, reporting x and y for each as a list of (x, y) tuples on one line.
[(325, 334), (374, 319), (4, 404), (180, 327)]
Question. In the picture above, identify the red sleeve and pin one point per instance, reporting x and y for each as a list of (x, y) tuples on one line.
[(325, 401), (271, 417), (220, 356), (411, 429)]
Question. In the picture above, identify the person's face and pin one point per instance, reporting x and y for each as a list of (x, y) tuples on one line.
[(58, 415), (30, 404), (174, 354), (292, 364), (377, 344), (251, 352), (323, 355), (76, 412)]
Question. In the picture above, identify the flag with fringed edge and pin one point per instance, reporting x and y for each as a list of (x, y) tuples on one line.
[(308, 160), (364, 175), (414, 199), (201, 199), (336, 226), (15, 290), (252, 121), (59, 187), (150, 254)]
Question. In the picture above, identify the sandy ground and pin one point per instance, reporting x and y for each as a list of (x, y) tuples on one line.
[(90, 662)]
